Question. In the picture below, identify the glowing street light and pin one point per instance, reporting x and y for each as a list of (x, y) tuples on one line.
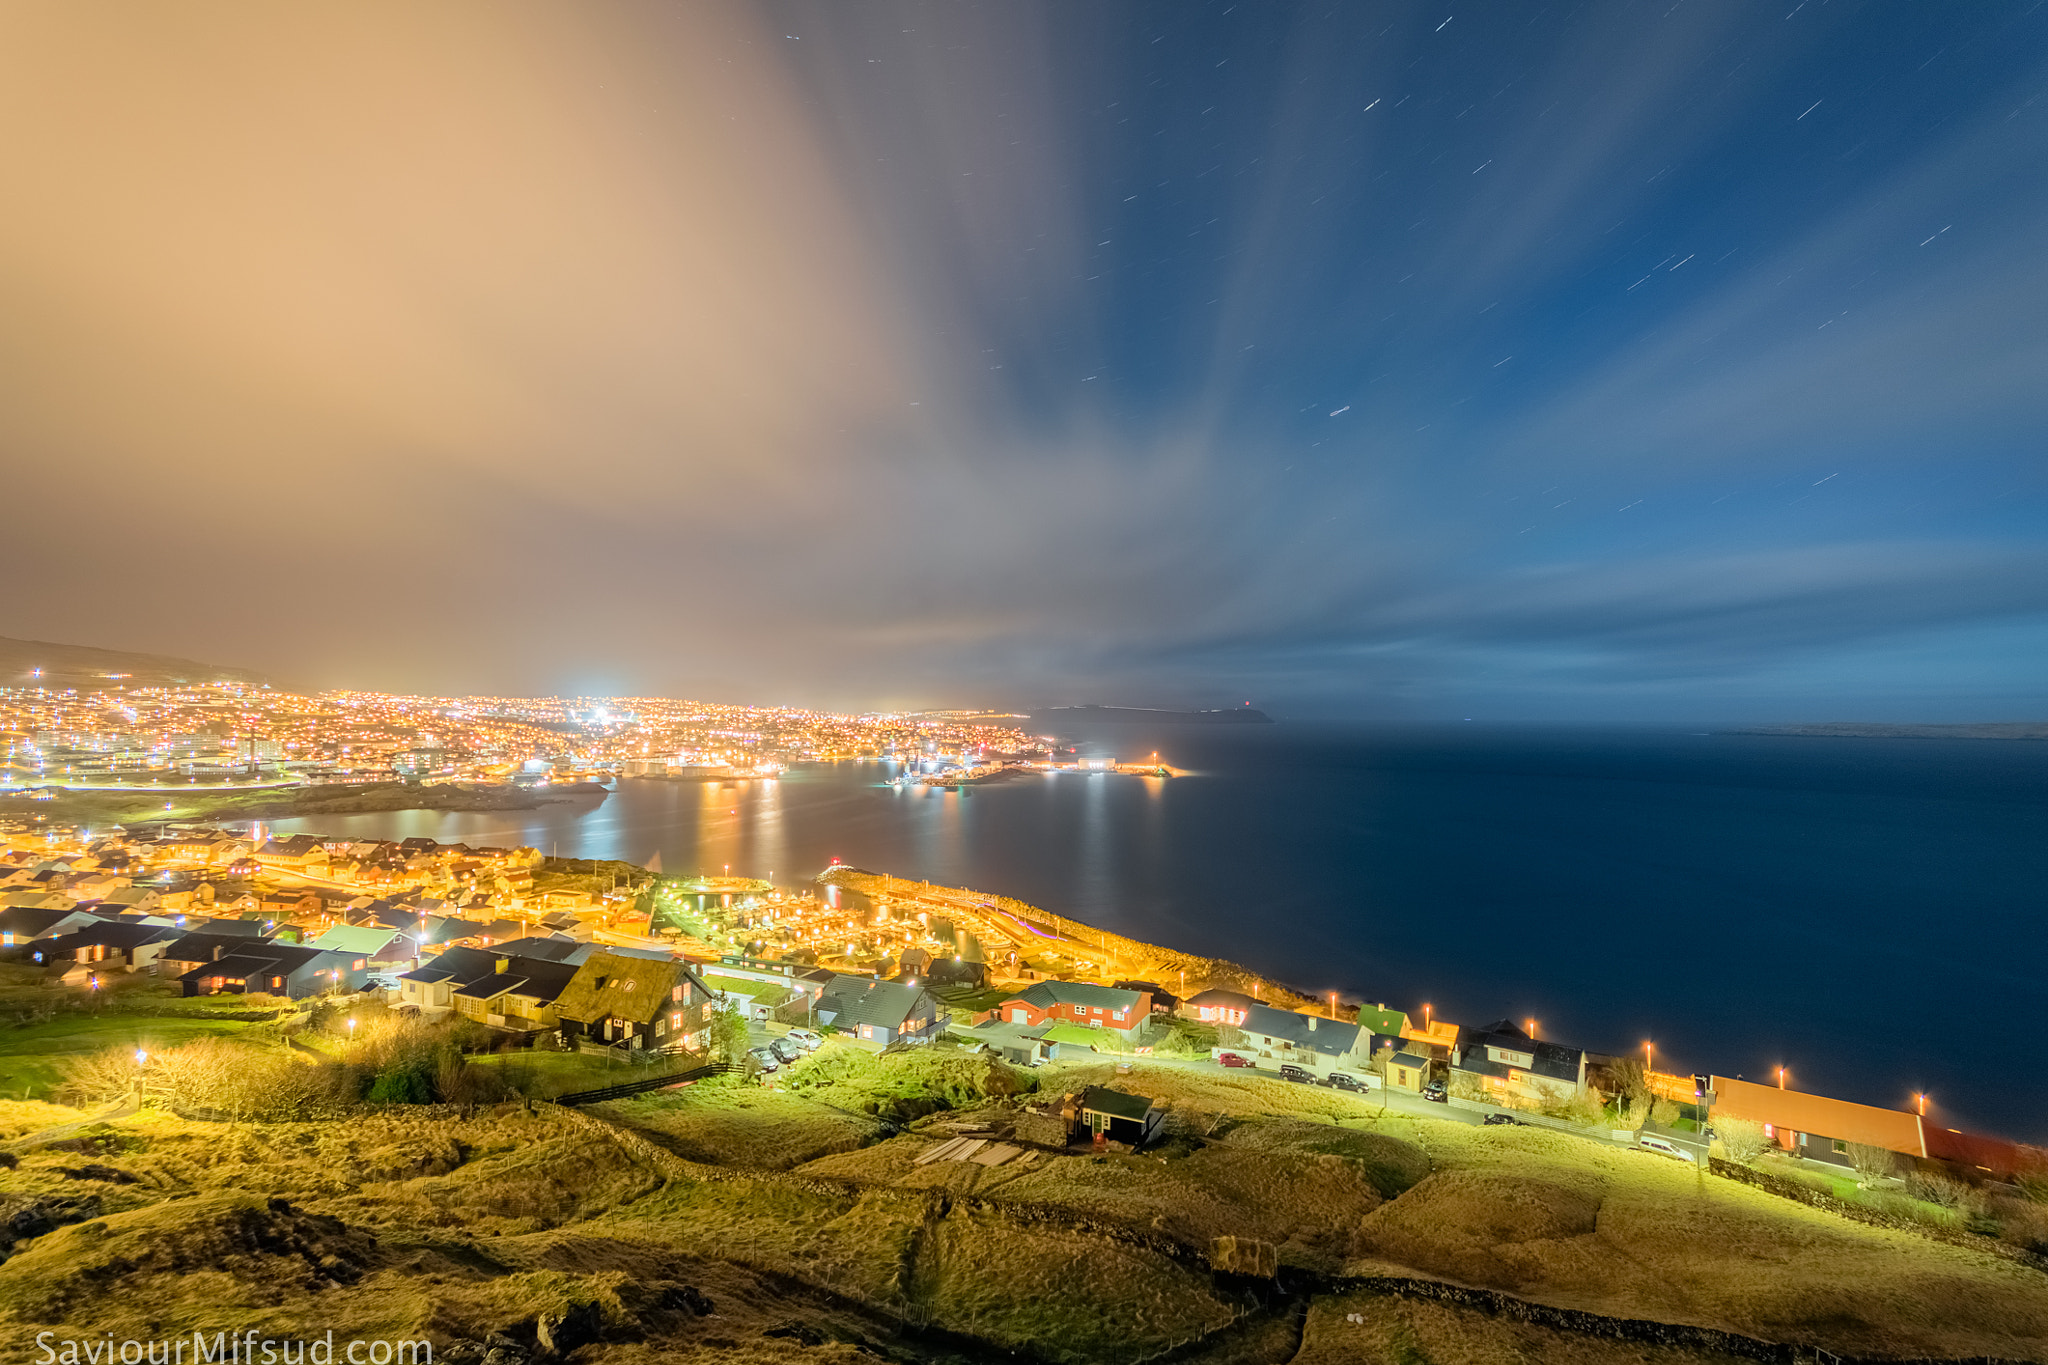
[(1649, 1056), (1921, 1099), (1781, 1078), (1529, 1027)]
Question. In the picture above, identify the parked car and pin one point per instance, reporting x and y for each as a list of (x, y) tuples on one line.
[(1435, 1091), (1300, 1075), (785, 1051), (1232, 1059), (805, 1039), (1496, 1120), (1339, 1080), (1647, 1143), (764, 1059)]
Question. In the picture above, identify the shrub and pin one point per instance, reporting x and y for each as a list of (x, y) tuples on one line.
[(1742, 1139), (1872, 1163), (1944, 1192)]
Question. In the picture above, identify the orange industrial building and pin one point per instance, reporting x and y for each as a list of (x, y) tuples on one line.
[(1815, 1126)]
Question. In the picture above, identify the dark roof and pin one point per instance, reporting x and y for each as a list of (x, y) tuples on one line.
[(1046, 994), (272, 959), (551, 947), (855, 1000), (1101, 1099), (31, 919), (530, 977), (112, 934), (1552, 1061), (204, 945), (1302, 1030)]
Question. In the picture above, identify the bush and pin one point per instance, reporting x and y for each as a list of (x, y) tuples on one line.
[(1945, 1192), (1742, 1139), (1872, 1163)]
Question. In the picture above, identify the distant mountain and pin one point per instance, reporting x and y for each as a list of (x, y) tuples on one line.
[(1142, 715), (1855, 729), (92, 669)]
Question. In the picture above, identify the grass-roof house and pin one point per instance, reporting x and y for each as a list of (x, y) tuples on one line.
[(636, 1002)]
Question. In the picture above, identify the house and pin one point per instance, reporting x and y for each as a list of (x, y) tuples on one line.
[(1313, 1042), (197, 947), (882, 1012), (20, 924), (430, 987), (519, 994), (1217, 1007), (107, 945), (1407, 1071), (267, 968), (140, 900), (1078, 1002), (549, 947), (299, 852), (635, 1001), (1509, 1064), (376, 945), (1163, 1000), (1815, 1126), (1114, 1116)]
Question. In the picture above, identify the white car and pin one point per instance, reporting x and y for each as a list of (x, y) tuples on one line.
[(1646, 1143), (805, 1039)]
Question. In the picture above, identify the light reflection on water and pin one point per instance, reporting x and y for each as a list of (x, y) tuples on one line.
[(1617, 885)]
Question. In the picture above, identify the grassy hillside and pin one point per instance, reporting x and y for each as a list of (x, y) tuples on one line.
[(734, 1223)]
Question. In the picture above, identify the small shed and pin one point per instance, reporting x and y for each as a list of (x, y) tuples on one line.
[(1406, 1071), (1119, 1116)]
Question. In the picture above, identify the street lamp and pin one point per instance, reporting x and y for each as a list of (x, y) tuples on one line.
[(1529, 1027), (1781, 1078), (1922, 1100), (1649, 1058)]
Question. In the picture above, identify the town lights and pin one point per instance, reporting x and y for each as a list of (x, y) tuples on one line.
[(1921, 1100)]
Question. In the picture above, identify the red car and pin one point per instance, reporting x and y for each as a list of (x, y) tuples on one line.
[(1232, 1059)]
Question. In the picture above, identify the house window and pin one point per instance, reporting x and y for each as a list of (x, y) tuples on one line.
[(867, 1030), (1118, 1015), (676, 1020), (676, 994), (359, 964), (1841, 1146)]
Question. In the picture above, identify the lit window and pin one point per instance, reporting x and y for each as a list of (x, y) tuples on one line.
[(675, 1020)]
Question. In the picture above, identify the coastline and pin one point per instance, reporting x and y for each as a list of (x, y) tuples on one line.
[(144, 806)]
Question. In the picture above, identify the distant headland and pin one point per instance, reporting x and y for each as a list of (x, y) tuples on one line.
[(1145, 715), (1850, 729)]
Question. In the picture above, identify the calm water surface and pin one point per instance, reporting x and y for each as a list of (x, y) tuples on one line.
[(1865, 912)]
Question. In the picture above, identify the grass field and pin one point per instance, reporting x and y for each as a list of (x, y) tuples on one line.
[(733, 1125), (33, 1056), (409, 1221)]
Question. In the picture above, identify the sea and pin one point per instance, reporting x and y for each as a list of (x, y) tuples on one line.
[(1866, 913)]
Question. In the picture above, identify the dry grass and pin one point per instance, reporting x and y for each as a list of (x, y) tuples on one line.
[(1062, 1295), (741, 1125), (1568, 1222), (481, 1220), (1236, 1093), (1377, 1329)]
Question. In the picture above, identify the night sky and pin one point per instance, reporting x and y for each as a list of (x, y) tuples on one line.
[(1576, 361)]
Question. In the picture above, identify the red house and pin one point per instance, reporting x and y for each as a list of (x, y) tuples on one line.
[(1078, 1002)]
